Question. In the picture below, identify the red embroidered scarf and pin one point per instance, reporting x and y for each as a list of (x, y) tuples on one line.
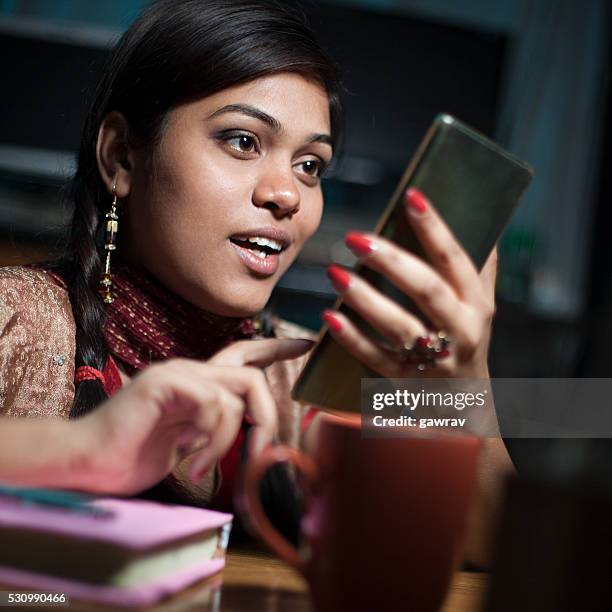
[(148, 323)]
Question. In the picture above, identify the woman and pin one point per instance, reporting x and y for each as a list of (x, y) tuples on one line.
[(203, 152)]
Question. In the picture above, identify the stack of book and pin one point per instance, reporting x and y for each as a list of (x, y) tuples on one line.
[(116, 551)]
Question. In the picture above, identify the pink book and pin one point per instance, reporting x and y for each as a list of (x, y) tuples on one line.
[(127, 552)]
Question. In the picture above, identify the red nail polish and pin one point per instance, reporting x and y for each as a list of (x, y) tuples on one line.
[(443, 353), (360, 244), (339, 277), (416, 201), (423, 342), (332, 321)]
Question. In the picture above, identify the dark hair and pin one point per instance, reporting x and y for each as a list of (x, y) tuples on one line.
[(174, 52)]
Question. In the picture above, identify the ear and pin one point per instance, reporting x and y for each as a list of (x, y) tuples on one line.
[(114, 155)]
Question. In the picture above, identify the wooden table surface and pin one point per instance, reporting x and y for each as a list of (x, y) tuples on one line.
[(255, 581)]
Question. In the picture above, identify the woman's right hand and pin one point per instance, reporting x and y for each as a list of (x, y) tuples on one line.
[(179, 408)]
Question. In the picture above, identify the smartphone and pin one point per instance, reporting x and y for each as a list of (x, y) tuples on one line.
[(475, 186)]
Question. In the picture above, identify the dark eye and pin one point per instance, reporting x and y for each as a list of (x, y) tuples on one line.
[(312, 167), (243, 143)]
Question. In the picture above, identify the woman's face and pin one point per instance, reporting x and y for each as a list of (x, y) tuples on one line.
[(234, 193)]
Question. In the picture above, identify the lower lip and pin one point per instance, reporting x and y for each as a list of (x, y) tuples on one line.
[(263, 266)]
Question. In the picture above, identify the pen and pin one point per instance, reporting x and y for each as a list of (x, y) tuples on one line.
[(59, 500)]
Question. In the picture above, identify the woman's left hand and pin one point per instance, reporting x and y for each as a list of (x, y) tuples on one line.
[(449, 290)]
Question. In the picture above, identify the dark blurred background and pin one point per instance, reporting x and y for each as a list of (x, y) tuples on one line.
[(533, 75)]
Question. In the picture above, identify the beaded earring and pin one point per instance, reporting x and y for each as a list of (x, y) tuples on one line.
[(110, 239)]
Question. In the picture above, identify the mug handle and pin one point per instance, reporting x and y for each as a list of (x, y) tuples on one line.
[(255, 471)]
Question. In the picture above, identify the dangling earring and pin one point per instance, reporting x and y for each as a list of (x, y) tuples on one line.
[(110, 238)]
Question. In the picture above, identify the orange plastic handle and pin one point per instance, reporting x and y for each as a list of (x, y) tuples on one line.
[(255, 471)]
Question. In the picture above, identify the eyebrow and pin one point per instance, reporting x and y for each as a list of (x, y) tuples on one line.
[(274, 124)]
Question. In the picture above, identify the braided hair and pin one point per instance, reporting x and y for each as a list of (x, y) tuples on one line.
[(174, 52)]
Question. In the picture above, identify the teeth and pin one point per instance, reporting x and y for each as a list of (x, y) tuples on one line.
[(260, 241), (260, 254)]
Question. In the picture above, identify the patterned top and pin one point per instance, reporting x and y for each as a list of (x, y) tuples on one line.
[(37, 345)]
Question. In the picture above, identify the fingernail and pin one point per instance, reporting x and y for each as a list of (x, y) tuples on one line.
[(443, 353), (360, 244), (198, 472), (332, 321), (416, 201), (339, 277), (199, 475), (423, 342), (301, 344)]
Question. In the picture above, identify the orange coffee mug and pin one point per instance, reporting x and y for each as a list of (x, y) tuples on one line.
[(384, 517)]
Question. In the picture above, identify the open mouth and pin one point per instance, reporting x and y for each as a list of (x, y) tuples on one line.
[(259, 246)]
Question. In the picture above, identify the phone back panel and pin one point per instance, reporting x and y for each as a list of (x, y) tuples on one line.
[(475, 186)]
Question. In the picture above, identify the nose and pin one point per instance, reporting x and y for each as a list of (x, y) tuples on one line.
[(277, 191)]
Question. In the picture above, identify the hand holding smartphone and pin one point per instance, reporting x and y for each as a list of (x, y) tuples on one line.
[(475, 186)]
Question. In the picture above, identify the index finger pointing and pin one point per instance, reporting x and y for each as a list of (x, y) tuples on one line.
[(261, 353)]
